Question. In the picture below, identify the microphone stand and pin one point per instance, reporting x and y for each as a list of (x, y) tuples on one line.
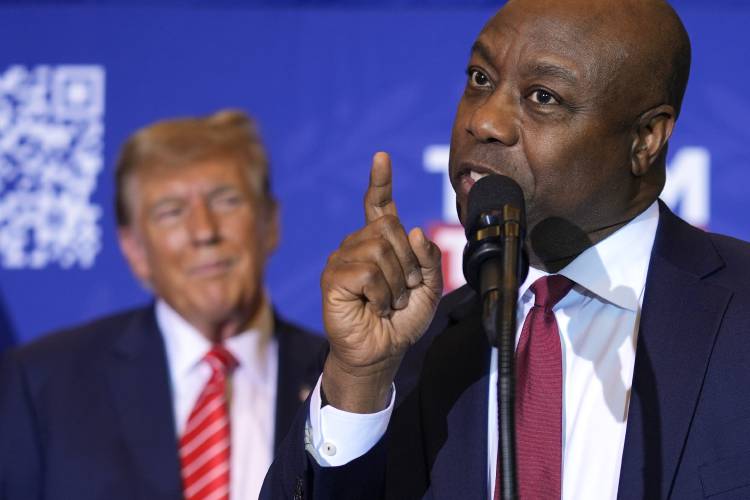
[(499, 321)]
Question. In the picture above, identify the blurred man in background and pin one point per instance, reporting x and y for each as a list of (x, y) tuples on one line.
[(187, 397)]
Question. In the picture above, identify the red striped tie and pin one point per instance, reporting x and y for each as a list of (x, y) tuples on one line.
[(204, 446)]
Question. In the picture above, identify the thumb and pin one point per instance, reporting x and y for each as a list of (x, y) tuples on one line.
[(429, 256)]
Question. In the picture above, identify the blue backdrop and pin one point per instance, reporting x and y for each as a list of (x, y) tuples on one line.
[(329, 84)]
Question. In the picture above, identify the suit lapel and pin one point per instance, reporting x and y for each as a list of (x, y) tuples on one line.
[(139, 384), (295, 379), (455, 409), (680, 318)]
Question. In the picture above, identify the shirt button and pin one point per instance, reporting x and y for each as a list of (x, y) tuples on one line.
[(329, 449)]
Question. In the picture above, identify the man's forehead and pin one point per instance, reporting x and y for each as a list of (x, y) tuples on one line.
[(535, 56), (567, 32), (199, 173), (628, 23), (565, 46)]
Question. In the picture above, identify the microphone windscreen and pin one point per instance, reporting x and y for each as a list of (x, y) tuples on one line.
[(489, 194)]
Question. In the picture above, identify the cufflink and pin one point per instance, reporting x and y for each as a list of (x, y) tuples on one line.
[(329, 449)]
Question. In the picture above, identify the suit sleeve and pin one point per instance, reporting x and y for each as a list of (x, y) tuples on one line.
[(296, 475), (398, 465), (20, 458)]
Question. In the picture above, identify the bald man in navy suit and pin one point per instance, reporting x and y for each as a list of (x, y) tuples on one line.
[(633, 379)]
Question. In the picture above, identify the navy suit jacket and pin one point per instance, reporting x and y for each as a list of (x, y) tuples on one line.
[(688, 433), (87, 413)]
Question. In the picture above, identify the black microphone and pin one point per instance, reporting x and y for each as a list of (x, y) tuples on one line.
[(495, 263), (495, 231)]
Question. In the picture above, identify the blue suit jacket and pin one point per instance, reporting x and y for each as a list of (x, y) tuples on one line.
[(87, 413), (688, 434)]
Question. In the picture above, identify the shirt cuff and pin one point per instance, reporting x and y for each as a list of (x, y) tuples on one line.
[(335, 437)]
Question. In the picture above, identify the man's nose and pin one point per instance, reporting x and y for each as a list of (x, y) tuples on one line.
[(496, 119), (203, 224)]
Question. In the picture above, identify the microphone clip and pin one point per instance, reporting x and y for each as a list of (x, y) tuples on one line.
[(496, 232)]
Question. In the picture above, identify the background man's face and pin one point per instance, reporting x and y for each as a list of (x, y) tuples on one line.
[(200, 236), (542, 106)]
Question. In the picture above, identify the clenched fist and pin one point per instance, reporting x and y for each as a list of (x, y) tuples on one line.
[(380, 291)]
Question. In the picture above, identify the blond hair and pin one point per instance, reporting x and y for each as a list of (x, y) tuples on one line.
[(229, 135)]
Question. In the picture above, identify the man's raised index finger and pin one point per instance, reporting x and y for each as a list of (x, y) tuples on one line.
[(379, 196)]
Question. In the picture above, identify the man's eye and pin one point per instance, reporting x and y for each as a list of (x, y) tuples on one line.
[(227, 202), (541, 96), (168, 214), (478, 79)]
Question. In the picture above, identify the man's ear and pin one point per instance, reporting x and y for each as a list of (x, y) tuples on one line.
[(134, 251), (653, 130)]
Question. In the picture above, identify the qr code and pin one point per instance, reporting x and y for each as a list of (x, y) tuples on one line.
[(51, 152)]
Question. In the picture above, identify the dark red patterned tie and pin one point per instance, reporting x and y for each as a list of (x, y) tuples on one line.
[(204, 446), (539, 396)]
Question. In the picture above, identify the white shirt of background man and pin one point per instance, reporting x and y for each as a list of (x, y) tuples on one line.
[(252, 390)]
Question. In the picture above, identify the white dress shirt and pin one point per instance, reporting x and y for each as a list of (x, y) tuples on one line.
[(598, 323), (252, 397)]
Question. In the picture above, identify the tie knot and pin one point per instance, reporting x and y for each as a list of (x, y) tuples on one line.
[(550, 290), (220, 359)]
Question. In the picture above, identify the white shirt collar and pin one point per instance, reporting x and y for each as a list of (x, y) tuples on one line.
[(614, 269), (186, 347)]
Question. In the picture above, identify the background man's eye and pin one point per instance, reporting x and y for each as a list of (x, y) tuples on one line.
[(479, 79), (543, 97), (168, 214), (227, 202)]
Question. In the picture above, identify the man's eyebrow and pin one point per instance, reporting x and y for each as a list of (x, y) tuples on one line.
[(482, 50), (551, 70), (223, 189)]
